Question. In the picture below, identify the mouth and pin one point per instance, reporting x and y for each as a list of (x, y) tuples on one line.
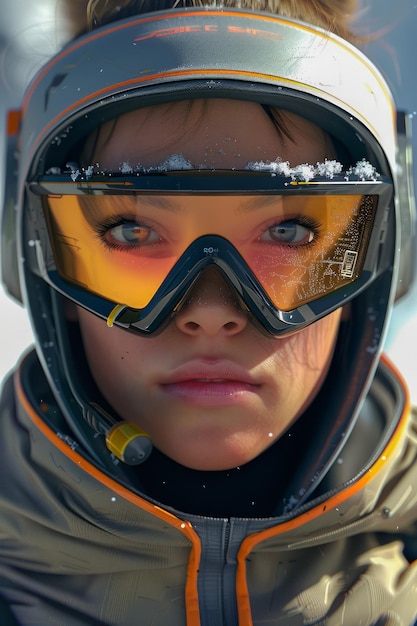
[(216, 384)]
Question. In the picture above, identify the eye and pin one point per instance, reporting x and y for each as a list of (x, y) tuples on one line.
[(293, 232), (129, 234)]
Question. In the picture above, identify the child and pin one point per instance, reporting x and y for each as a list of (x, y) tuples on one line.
[(206, 235)]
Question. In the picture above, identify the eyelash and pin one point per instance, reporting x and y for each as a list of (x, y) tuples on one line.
[(103, 228), (303, 220), (109, 223)]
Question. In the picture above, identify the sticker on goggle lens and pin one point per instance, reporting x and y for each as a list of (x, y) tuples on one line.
[(122, 247), (349, 264)]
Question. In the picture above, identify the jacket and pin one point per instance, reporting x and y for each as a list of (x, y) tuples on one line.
[(78, 548)]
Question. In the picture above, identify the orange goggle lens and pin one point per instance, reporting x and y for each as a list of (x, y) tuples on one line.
[(122, 247)]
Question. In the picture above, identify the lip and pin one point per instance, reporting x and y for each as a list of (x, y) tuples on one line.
[(210, 384)]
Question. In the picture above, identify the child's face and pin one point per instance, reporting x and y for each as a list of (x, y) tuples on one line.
[(210, 390)]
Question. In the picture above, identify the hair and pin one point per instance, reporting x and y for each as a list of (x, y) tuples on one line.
[(332, 15)]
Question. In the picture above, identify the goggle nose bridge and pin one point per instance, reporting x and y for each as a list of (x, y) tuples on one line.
[(211, 261), (203, 254)]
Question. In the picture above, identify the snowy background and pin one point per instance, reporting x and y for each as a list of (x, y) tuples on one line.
[(28, 36)]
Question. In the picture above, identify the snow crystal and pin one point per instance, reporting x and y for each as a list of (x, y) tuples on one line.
[(363, 170), (303, 172), (53, 171), (289, 504), (328, 169), (173, 162), (63, 135), (74, 170), (126, 168), (89, 171), (306, 172)]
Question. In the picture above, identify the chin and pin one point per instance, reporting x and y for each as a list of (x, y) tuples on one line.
[(218, 460)]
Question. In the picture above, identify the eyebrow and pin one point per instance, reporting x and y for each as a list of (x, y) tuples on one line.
[(246, 204), (161, 202), (259, 202)]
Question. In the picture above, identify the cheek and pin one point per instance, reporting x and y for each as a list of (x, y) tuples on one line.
[(107, 351), (95, 337), (321, 340), (312, 351), (304, 364), (304, 361)]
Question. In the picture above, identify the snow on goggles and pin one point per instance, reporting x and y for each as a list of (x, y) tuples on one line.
[(130, 249)]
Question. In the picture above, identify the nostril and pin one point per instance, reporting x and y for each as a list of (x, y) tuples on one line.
[(192, 326)]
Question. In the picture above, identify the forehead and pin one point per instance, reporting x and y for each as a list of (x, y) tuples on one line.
[(215, 133)]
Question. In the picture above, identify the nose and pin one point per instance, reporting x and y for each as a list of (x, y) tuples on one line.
[(211, 308)]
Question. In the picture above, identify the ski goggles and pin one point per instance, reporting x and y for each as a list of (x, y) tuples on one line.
[(131, 249)]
